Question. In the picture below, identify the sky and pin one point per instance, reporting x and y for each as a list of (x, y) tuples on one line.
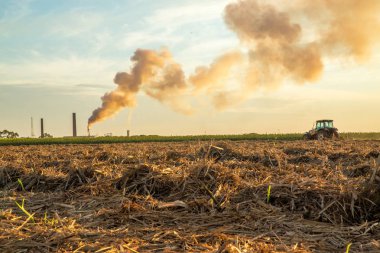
[(60, 57)]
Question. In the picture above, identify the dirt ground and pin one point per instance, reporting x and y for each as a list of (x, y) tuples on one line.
[(246, 196)]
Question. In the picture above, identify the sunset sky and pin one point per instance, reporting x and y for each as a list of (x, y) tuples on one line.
[(60, 57)]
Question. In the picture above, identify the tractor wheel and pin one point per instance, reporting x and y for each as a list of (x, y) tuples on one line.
[(320, 136), (335, 136), (306, 137)]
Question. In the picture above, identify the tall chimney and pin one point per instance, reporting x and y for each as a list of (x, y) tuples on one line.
[(42, 128), (31, 127), (74, 125), (127, 133)]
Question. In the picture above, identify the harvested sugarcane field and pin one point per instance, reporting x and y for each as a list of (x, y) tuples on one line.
[(198, 196), (218, 126)]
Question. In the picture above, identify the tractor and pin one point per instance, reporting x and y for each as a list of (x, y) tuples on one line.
[(324, 129)]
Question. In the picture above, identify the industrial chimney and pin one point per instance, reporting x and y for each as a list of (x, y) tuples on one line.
[(42, 128), (74, 125), (32, 127)]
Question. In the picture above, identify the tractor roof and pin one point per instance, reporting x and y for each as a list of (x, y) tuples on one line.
[(324, 120)]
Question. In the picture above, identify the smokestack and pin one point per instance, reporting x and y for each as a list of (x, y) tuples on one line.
[(74, 125), (42, 128), (127, 133), (31, 127)]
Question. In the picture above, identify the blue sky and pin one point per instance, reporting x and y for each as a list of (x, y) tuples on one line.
[(59, 57)]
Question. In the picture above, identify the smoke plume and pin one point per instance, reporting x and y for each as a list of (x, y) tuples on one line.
[(279, 43), (154, 72), (214, 76)]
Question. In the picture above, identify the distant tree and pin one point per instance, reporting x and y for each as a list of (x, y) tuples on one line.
[(46, 135), (14, 135), (8, 134)]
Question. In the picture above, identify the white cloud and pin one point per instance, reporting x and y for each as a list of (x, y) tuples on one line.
[(179, 15), (67, 71), (138, 39), (73, 23), (16, 10), (12, 14)]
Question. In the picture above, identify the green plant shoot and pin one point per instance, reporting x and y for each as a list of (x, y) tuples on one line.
[(22, 208), (21, 184), (268, 193), (348, 247)]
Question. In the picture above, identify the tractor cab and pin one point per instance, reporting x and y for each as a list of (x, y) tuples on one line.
[(324, 124)]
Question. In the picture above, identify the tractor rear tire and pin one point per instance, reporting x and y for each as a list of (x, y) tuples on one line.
[(320, 136)]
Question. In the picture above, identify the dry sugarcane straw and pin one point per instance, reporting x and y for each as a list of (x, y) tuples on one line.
[(150, 197)]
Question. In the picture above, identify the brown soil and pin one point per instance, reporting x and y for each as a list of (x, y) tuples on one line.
[(191, 197)]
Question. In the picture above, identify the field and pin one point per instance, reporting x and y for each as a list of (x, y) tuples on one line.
[(157, 138), (146, 138), (191, 196)]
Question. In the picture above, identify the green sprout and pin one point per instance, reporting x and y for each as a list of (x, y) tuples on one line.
[(268, 193), (348, 247), (48, 221), (22, 208), (21, 184)]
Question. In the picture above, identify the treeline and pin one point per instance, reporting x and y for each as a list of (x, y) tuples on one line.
[(5, 134)]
